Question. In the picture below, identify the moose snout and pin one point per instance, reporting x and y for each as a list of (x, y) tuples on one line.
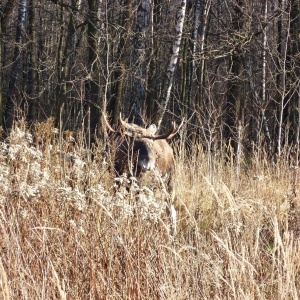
[(146, 163)]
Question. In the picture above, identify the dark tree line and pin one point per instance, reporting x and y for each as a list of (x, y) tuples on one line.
[(229, 67)]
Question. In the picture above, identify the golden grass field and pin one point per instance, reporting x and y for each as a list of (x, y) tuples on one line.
[(69, 230)]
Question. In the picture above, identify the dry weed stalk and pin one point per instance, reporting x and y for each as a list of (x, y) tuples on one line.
[(66, 237)]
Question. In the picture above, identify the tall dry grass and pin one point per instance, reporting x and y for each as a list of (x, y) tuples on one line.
[(70, 231)]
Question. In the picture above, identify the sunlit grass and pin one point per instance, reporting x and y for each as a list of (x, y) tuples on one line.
[(69, 230)]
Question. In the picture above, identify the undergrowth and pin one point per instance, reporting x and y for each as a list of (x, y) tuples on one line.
[(70, 230)]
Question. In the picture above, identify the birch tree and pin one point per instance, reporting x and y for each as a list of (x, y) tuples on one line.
[(173, 62), (282, 75)]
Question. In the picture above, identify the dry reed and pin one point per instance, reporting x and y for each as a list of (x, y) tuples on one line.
[(70, 231)]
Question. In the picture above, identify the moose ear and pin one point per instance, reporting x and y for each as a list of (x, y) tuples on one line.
[(152, 128)]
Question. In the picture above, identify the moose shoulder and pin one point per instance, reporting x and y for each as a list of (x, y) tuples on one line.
[(141, 149)]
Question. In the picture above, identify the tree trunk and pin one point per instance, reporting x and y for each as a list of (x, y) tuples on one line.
[(203, 9), (60, 87), (152, 78), (282, 81), (65, 61), (293, 71), (173, 63), (119, 74), (184, 75), (93, 85), (140, 54), (32, 65), (235, 100), (5, 13), (264, 85), (12, 100), (1, 71)]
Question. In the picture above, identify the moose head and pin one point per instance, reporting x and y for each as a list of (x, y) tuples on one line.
[(141, 149)]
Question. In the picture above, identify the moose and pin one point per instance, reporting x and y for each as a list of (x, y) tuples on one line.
[(140, 149)]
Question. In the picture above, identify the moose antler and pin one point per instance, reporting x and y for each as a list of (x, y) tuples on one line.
[(171, 132), (133, 130), (144, 133), (107, 124)]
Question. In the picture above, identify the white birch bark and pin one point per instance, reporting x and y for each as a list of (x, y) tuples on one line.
[(198, 11), (173, 61), (283, 103), (264, 81)]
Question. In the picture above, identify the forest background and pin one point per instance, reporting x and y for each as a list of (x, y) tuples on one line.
[(230, 227), (231, 68)]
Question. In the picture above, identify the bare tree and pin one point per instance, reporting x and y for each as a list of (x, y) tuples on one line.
[(173, 62), (119, 72), (141, 58), (235, 99), (92, 84), (12, 95), (6, 9), (202, 8), (31, 84), (235, 62)]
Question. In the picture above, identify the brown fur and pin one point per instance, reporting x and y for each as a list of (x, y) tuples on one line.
[(132, 152), (140, 150)]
